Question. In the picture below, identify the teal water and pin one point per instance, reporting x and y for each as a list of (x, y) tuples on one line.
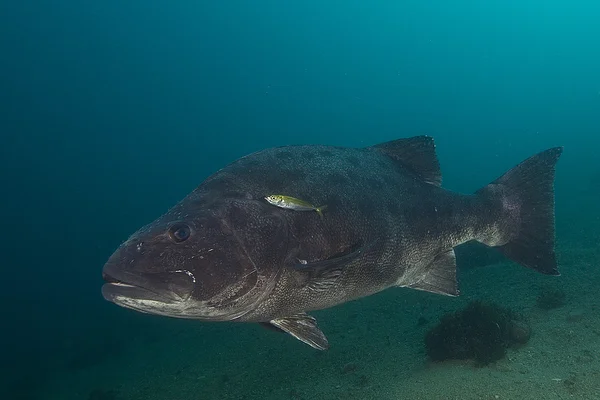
[(113, 111)]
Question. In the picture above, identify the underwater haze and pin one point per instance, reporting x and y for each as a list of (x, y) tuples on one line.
[(113, 111)]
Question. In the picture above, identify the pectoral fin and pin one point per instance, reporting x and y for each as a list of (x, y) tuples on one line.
[(304, 328), (271, 327), (321, 275)]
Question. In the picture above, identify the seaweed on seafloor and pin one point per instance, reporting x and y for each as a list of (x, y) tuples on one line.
[(550, 297), (481, 331)]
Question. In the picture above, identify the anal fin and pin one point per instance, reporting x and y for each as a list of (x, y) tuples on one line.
[(304, 328), (440, 276)]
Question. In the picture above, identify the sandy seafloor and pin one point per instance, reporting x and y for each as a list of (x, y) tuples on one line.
[(376, 352)]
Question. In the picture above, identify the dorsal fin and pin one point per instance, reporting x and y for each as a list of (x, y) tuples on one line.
[(417, 154)]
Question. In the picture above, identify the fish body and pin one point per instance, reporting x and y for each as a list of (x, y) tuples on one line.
[(224, 253), (293, 203)]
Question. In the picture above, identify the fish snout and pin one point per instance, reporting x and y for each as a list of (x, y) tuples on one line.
[(175, 285)]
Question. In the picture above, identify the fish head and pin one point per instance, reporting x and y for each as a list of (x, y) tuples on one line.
[(275, 199), (211, 262)]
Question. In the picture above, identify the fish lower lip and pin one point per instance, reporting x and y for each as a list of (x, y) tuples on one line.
[(167, 286), (120, 284), (118, 290)]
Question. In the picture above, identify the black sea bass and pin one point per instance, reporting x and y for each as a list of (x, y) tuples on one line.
[(298, 228)]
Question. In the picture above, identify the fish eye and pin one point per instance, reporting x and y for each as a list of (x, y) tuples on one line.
[(179, 233)]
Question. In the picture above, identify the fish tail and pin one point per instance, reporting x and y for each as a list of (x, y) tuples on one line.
[(319, 210), (524, 225)]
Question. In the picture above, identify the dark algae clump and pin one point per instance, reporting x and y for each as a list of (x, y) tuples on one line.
[(481, 331), (551, 297)]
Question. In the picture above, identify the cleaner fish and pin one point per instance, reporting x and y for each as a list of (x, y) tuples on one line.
[(223, 253)]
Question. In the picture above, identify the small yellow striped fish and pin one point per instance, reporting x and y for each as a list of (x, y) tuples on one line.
[(292, 203)]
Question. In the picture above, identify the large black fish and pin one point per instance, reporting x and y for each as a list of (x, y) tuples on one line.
[(225, 253)]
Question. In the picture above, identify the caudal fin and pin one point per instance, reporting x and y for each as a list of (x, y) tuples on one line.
[(527, 193)]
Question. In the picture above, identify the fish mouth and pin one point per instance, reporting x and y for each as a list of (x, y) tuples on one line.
[(167, 287), (115, 292)]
